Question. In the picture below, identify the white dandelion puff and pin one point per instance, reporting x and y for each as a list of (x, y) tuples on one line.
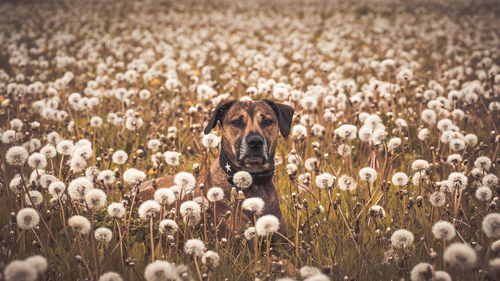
[(133, 176), (20, 271), (491, 225), (116, 210), (16, 156), (325, 180), (185, 180), (422, 272), (110, 276), (368, 174), (253, 204), (267, 225), (443, 230), (242, 179), (79, 224), (103, 234), (402, 238), (168, 227), (194, 247), (460, 256), (215, 194), (95, 198), (120, 157), (149, 209), (78, 187), (164, 196), (27, 218)]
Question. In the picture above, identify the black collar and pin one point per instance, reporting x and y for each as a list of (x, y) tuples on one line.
[(230, 169)]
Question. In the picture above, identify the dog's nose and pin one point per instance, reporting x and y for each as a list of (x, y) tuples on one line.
[(255, 142)]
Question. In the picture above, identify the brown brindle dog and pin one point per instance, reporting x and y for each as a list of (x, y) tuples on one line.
[(250, 131)]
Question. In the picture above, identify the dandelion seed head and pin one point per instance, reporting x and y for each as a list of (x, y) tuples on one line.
[(20, 270), (49, 151), (308, 271), (120, 157), (344, 150), (422, 272), (242, 179), (490, 180), (95, 198), (33, 197), (46, 180), (160, 271), (400, 179), (249, 233), (148, 209), (57, 188), (211, 259), (491, 225), (460, 256), (168, 226), (215, 194), (172, 158), (311, 164), (133, 176), (483, 193), (79, 224), (347, 183), (185, 180), (325, 180), (210, 140), (317, 277), (37, 161), (189, 208), (266, 225), (483, 163), (107, 177), (154, 145), (103, 234), (419, 165), (194, 247), (377, 211), (110, 276), (437, 199), (254, 205), (27, 218), (39, 263), (440, 275), (65, 147), (77, 164), (368, 174), (443, 230), (16, 156), (402, 238), (116, 210), (164, 196), (78, 187), (458, 180)]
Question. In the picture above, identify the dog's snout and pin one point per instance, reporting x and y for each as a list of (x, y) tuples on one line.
[(255, 141)]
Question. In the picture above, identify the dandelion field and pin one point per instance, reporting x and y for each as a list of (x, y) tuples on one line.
[(390, 171)]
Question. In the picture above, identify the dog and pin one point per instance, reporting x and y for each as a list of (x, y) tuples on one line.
[(250, 133)]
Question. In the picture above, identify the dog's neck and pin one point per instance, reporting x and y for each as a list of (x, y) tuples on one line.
[(260, 178)]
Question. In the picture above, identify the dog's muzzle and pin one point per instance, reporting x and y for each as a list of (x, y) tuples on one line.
[(253, 150)]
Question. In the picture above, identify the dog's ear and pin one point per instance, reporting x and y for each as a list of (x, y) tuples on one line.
[(218, 115), (285, 116)]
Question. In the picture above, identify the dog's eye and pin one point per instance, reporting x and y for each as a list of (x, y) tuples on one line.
[(266, 122), (238, 123)]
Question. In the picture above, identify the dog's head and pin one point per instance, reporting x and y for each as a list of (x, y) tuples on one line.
[(250, 131)]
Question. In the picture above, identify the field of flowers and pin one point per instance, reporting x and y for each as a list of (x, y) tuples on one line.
[(390, 171)]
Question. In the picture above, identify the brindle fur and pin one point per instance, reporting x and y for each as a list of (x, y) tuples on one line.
[(252, 113)]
